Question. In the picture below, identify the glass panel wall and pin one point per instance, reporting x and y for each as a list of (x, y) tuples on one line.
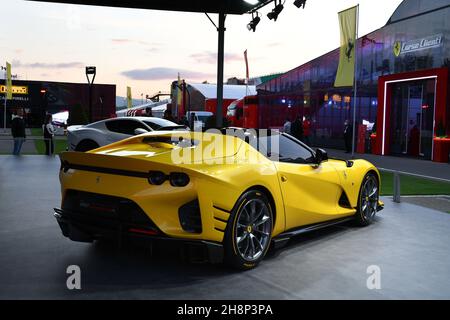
[(329, 107)]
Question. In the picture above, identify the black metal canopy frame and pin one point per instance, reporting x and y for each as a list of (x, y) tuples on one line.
[(221, 7)]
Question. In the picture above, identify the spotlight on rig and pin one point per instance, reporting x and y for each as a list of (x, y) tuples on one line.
[(273, 15), (300, 3), (255, 20), (252, 2)]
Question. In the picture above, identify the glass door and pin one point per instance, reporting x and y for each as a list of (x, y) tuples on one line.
[(412, 118), (399, 115), (427, 119)]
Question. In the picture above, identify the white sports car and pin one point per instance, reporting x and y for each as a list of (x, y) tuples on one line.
[(91, 136)]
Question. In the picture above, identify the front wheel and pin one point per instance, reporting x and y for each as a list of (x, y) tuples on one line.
[(369, 195), (248, 236)]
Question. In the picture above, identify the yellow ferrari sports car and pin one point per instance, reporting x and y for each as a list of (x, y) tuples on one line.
[(233, 192)]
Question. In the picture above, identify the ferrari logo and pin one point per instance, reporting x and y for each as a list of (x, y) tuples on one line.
[(349, 49), (397, 48), (97, 180)]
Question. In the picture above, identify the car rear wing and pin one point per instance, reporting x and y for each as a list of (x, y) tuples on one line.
[(110, 164)]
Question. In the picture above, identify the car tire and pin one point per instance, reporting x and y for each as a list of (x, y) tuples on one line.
[(368, 197), (86, 145), (249, 231)]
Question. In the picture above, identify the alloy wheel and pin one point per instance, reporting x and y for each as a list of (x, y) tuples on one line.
[(369, 198), (253, 228)]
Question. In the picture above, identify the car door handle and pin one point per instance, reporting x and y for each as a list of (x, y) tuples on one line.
[(284, 179)]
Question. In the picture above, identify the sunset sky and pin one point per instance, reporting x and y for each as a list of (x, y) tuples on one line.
[(146, 49)]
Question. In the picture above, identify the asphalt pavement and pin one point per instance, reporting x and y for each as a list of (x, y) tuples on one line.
[(408, 245)]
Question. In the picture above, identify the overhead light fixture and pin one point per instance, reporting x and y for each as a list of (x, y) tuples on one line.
[(273, 15), (255, 20), (300, 3), (252, 2)]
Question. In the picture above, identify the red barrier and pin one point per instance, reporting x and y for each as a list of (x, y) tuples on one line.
[(441, 149), (361, 142)]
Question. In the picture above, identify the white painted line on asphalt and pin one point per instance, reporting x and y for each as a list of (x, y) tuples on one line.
[(446, 197), (415, 175)]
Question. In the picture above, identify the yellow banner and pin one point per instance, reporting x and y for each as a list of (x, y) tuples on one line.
[(8, 82), (129, 98), (15, 89), (346, 70)]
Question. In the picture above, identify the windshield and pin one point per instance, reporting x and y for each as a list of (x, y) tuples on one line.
[(232, 106), (159, 123), (202, 118), (277, 146)]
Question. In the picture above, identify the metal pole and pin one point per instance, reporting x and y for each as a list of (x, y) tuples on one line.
[(90, 103), (220, 63), (4, 115), (90, 70), (355, 83), (101, 108), (397, 192), (176, 104)]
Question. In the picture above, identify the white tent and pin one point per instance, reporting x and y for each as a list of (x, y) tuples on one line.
[(235, 92)]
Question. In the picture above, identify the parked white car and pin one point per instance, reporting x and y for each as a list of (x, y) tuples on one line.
[(87, 137)]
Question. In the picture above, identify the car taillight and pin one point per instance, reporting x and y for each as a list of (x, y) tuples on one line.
[(178, 179), (156, 177)]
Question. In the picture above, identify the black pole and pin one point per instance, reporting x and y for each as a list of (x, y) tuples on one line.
[(101, 108), (90, 71), (90, 103), (220, 62)]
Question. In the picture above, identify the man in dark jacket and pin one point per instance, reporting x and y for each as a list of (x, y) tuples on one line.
[(348, 135), (297, 129), (18, 132)]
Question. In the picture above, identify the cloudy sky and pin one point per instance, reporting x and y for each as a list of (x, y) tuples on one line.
[(145, 49)]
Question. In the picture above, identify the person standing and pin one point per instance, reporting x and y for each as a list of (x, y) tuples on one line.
[(297, 129), (306, 130), (287, 126), (18, 132), (49, 132), (348, 135)]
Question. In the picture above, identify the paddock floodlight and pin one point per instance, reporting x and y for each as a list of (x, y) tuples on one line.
[(300, 3), (255, 20), (273, 15)]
